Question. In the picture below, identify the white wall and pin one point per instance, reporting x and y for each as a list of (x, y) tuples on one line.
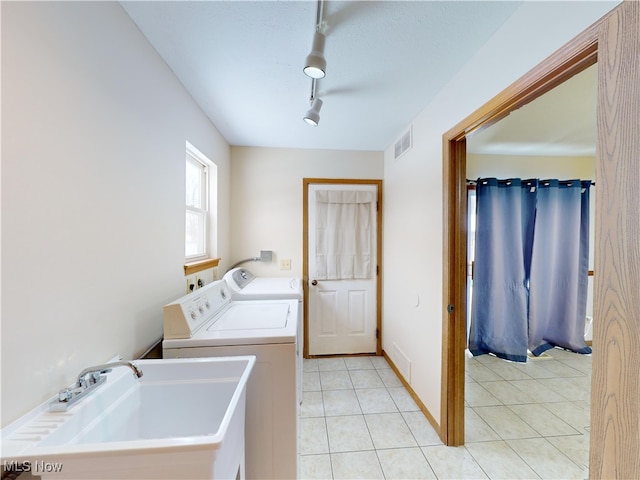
[(413, 305), (266, 199), (93, 146)]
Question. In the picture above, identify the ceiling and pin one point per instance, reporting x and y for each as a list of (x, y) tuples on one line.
[(560, 123), (242, 63)]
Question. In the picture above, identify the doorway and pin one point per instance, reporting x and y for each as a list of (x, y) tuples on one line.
[(342, 313), (546, 399), (547, 76), (556, 70), (615, 165)]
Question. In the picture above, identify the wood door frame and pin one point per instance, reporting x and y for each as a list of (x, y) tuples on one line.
[(579, 54), (305, 252)]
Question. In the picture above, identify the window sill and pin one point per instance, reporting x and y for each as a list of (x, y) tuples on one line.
[(194, 267)]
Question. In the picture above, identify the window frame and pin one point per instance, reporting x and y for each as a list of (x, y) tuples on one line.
[(194, 156)]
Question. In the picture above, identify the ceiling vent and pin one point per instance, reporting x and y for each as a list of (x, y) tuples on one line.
[(404, 144)]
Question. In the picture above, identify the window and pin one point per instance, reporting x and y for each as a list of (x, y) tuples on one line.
[(198, 208), (471, 248), (471, 229)]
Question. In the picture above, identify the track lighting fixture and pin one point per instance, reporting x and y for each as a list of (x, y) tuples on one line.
[(315, 67), (312, 116), (316, 64)]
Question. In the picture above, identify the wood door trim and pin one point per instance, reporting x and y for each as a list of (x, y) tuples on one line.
[(615, 387), (305, 253), (574, 57)]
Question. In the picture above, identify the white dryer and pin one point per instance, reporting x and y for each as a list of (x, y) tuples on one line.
[(208, 323), (246, 286)]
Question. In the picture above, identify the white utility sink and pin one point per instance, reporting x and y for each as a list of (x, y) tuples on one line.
[(184, 418)]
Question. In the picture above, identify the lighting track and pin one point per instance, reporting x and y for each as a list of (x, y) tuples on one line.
[(315, 67)]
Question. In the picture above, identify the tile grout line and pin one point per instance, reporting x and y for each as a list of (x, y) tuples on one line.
[(363, 414)]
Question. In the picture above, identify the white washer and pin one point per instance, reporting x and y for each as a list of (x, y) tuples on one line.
[(244, 285), (208, 323)]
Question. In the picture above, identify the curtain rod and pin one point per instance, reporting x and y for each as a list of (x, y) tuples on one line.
[(475, 182)]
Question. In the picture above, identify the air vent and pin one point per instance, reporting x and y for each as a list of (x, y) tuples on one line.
[(404, 144), (402, 362)]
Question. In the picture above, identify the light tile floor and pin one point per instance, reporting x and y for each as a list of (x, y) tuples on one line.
[(531, 420)]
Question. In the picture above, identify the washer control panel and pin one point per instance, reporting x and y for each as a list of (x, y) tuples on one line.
[(183, 317)]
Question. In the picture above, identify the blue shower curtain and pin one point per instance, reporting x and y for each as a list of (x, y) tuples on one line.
[(504, 226), (559, 267), (530, 267)]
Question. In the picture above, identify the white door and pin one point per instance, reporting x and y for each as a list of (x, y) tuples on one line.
[(342, 266)]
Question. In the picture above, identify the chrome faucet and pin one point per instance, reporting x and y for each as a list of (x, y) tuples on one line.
[(88, 380), (97, 370)]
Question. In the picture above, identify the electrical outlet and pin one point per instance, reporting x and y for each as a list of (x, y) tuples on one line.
[(285, 264), (191, 283)]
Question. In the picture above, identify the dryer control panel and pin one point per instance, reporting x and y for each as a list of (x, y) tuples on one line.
[(186, 315), (238, 278)]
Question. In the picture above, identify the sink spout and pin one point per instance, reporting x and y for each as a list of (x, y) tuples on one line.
[(88, 380), (104, 368)]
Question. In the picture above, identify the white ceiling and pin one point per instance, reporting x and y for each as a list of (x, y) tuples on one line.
[(242, 62), (560, 123)]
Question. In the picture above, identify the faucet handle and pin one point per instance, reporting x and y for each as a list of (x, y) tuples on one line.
[(65, 395), (91, 378)]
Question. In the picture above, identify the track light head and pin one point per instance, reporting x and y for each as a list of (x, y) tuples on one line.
[(312, 116), (316, 65)]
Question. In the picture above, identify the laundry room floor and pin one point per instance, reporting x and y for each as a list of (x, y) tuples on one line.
[(521, 421)]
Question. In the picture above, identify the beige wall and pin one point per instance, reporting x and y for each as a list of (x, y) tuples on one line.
[(266, 199), (413, 305), (514, 166), (94, 126)]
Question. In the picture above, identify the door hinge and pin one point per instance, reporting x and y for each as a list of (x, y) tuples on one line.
[(450, 308), (377, 333), (377, 269)]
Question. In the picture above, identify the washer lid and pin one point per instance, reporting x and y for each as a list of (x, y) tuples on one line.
[(247, 316), (251, 322)]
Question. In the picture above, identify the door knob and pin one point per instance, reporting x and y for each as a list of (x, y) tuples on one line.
[(314, 282)]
